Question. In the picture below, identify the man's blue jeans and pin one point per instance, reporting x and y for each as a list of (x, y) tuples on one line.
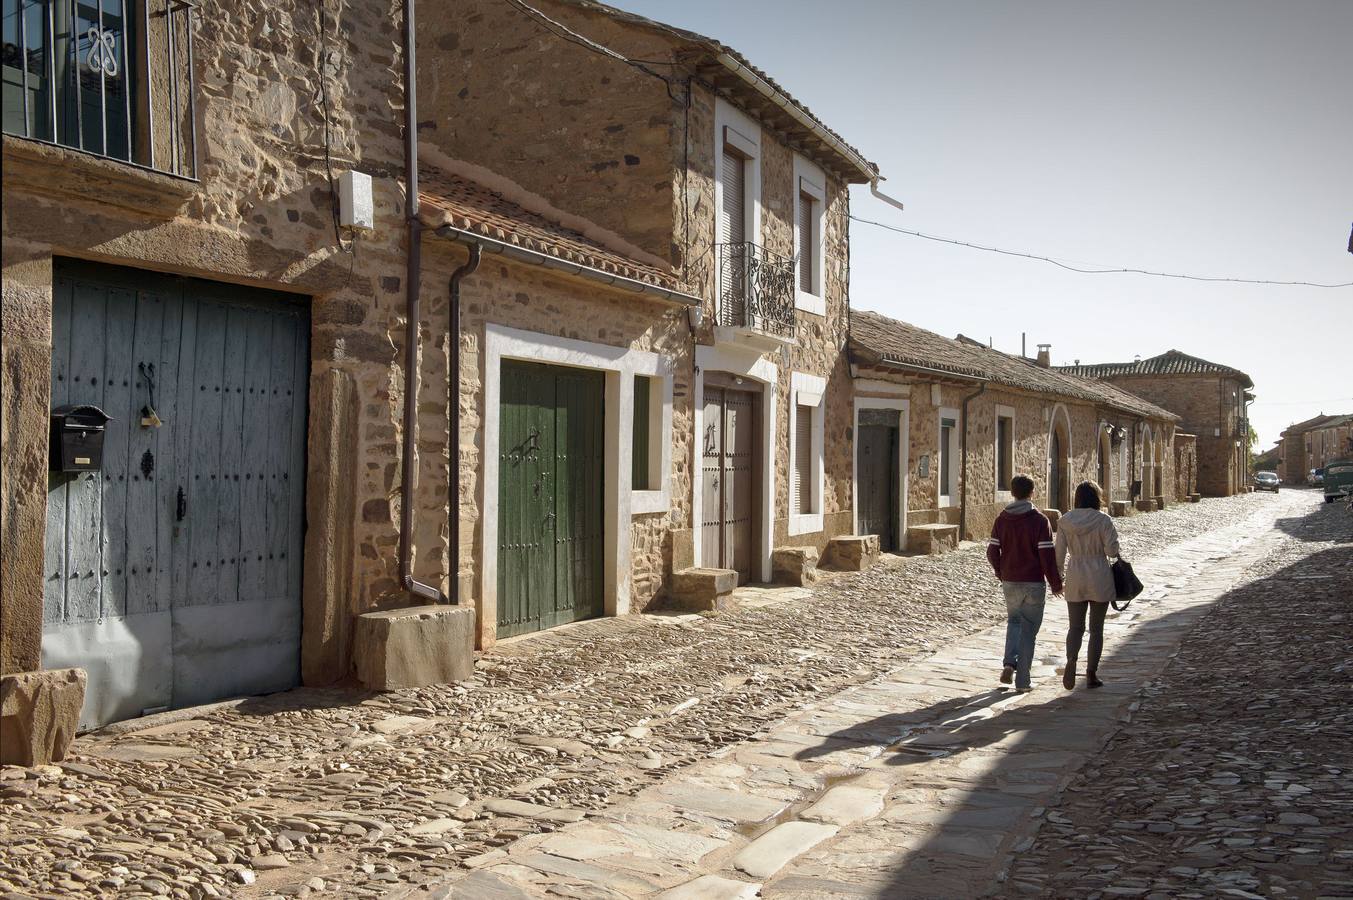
[(1024, 615)]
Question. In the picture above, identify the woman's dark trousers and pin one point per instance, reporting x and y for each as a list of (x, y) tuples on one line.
[(1076, 612)]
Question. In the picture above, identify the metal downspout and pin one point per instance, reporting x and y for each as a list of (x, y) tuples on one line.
[(963, 464), (413, 315), (453, 428)]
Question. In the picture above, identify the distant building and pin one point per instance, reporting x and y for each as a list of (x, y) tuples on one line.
[(1313, 443), (1209, 397)]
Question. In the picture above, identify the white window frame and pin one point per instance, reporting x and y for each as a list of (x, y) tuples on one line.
[(811, 180), (658, 370), (734, 128), (806, 390), (1002, 412), (941, 498)]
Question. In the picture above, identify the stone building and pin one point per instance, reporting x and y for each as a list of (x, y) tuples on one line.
[(636, 259), (1312, 444), (967, 418), (1211, 400), (173, 255), (698, 167)]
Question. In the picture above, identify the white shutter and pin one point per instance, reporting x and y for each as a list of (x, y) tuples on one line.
[(801, 486), (733, 214), (807, 258)]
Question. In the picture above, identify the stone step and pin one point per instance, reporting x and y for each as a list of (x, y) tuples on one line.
[(794, 565), (852, 552), (703, 590), (933, 539)]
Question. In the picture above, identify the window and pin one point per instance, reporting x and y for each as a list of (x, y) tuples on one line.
[(948, 457), (810, 202), (75, 74), (801, 492), (807, 235), (641, 453), (1005, 448), (806, 436)]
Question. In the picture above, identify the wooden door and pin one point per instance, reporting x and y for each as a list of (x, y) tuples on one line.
[(174, 573), (876, 449), (550, 518), (729, 472)]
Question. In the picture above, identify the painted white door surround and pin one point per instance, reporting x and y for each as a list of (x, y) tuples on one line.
[(620, 365), (753, 367)]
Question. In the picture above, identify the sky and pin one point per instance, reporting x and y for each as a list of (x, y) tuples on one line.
[(1212, 137)]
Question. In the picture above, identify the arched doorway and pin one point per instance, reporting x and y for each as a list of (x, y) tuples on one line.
[(1059, 460)]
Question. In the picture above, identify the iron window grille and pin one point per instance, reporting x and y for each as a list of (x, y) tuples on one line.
[(113, 78), (756, 289)]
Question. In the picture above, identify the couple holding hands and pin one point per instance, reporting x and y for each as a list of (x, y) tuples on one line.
[(1028, 561)]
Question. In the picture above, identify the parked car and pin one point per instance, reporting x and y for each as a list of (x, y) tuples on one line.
[(1338, 479), (1266, 481), (1317, 477)]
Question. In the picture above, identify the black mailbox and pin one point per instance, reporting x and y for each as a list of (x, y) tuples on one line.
[(77, 438)]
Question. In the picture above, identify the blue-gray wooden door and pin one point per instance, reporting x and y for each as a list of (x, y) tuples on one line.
[(174, 575)]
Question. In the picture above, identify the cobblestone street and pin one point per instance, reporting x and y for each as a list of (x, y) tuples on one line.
[(347, 793)]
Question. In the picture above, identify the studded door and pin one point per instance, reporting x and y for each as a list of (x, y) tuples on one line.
[(174, 574)]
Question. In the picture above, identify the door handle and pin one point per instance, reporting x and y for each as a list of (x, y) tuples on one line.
[(549, 517), (180, 506)]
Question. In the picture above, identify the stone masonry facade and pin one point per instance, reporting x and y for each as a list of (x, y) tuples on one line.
[(536, 153)]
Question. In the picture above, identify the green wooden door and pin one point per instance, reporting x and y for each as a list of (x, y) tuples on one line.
[(550, 525)]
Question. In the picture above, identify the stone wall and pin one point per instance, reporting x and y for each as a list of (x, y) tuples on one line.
[(261, 214), (1034, 418), (1209, 407), (596, 138)]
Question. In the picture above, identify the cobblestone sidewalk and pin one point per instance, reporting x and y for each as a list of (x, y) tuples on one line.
[(349, 793), (919, 783), (1235, 777)]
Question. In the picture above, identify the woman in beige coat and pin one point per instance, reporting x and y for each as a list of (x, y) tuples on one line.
[(1091, 538)]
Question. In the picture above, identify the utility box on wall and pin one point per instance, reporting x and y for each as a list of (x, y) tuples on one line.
[(356, 207), (77, 438)]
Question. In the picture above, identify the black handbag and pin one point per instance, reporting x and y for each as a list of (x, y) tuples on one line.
[(1126, 584)]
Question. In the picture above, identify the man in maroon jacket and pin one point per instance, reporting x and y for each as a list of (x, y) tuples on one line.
[(1021, 552)]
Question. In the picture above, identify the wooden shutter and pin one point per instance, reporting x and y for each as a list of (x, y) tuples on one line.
[(801, 487), (639, 451), (807, 258), (733, 213)]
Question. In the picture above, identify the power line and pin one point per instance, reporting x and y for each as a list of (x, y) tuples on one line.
[(559, 29), (1084, 271)]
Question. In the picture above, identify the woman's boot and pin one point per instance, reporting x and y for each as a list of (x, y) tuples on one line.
[(1091, 680)]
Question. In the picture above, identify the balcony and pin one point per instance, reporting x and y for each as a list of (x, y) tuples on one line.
[(756, 297), (109, 78)]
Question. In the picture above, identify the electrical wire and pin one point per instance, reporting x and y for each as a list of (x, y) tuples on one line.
[(1085, 271), (559, 29)]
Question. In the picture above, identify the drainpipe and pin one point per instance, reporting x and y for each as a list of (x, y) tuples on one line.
[(453, 407), (963, 464), (413, 314)]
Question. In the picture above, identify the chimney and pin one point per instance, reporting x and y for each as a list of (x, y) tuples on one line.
[(1045, 355)]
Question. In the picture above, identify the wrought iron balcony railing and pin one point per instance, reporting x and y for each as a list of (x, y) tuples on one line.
[(756, 289), (109, 77)]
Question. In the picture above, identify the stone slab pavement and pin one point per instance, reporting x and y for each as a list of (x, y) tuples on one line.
[(921, 783)]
